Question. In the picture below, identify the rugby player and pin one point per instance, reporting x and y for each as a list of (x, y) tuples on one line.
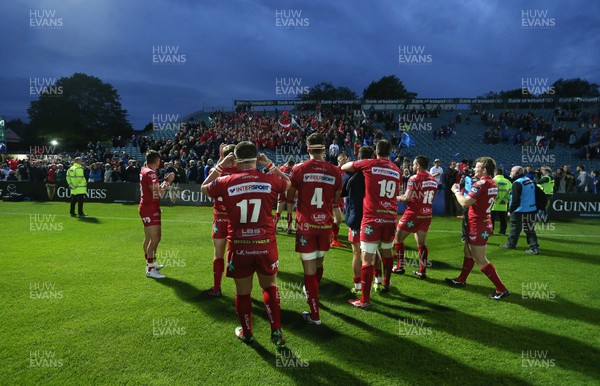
[(479, 201), (319, 185), (149, 209), (249, 196), (420, 191), (219, 231), (382, 181)]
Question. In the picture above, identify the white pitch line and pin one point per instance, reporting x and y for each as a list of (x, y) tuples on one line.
[(210, 222)]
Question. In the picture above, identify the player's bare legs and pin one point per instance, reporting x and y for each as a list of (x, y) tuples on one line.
[(400, 250), (290, 211), (152, 235), (280, 206), (337, 220), (356, 263)]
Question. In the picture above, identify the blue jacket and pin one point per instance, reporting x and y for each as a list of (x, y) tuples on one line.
[(522, 196)]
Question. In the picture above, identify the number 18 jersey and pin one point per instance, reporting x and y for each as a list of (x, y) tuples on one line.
[(424, 187)]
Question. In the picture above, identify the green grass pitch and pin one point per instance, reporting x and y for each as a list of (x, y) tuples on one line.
[(78, 309)]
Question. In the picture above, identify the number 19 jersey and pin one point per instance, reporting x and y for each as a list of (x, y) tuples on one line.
[(382, 182)]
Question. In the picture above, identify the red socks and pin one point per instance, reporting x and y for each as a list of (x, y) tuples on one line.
[(468, 264), (336, 231), (243, 307), (319, 274), (311, 284), (366, 280), (388, 262), (218, 268), (491, 273), (271, 300), (423, 258)]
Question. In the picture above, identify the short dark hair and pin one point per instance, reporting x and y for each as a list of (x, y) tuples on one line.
[(316, 139), (151, 157), (228, 149), (423, 161), (366, 152), (383, 148), (291, 161), (499, 171), (581, 167), (245, 150), (488, 164)]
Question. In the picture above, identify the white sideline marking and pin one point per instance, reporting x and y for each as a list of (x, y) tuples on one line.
[(210, 222)]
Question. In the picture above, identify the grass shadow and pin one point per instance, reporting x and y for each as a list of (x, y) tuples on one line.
[(88, 219)]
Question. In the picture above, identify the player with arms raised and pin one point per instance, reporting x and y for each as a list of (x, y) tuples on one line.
[(479, 200), (319, 185), (249, 196), (149, 210), (219, 231), (382, 182), (420, 191), (282, 201)]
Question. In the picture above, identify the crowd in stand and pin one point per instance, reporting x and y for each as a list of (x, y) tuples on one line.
[(533, 130), (194, 149)]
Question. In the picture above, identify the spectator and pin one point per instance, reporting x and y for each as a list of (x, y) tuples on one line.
[(107, 173), (585, 182), (95, 174), (192, 172), (209, 165), (437, 172), (12, 176), (61, 174)]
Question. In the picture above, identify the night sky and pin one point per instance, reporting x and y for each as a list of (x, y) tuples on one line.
[(179, 56)]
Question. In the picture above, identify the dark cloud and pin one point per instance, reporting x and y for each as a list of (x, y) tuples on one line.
[(236, 50)]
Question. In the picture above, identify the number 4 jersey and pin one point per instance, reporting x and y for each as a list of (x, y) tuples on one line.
[(382, 182), (316, 181)]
